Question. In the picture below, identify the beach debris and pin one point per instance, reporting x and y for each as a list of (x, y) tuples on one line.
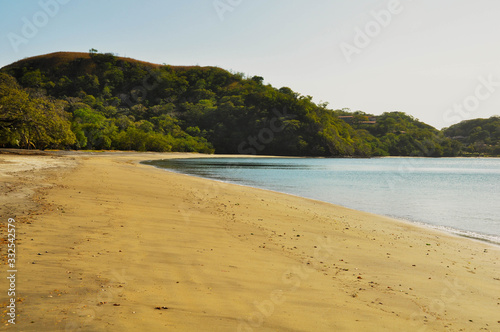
[(116, 304), (161, 308)]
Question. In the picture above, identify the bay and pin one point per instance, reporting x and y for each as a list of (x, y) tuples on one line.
[(458, 195)]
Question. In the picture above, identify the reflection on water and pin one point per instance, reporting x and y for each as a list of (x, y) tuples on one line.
[(456, 193)]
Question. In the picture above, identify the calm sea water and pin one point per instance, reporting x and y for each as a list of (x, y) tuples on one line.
[(459, 195)]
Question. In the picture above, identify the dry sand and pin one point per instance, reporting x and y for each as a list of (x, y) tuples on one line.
[(107, 244)]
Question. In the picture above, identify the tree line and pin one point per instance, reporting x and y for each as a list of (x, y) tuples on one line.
[(101, 101)]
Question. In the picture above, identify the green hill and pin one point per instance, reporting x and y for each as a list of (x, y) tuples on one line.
[(101, 101), (478, 136)]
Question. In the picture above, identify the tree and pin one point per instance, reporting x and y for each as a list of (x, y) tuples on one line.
[(28, 122), (258, 79), (93, 129)]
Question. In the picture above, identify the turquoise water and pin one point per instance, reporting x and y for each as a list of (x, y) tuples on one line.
[(458, 195)]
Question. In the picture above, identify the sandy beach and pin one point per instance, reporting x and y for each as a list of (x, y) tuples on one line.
[(105, 243)]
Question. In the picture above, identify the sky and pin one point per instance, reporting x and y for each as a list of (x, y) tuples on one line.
[(438, 61)]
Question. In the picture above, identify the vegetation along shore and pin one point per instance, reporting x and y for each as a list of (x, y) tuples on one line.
[(101, 101)]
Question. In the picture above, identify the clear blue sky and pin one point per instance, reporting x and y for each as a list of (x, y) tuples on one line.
[(436, 60)]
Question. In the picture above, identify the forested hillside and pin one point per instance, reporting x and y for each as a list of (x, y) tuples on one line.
[(400, 134), (101, 101), (478, 136)]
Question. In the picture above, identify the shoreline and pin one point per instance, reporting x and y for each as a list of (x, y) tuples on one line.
[(112, 240), (461, 233), (445, 230)]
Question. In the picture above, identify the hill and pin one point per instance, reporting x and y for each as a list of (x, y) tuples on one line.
[(478, 136), (101, 101)]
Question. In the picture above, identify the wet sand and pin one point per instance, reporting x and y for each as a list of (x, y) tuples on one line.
[(107, 244)]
